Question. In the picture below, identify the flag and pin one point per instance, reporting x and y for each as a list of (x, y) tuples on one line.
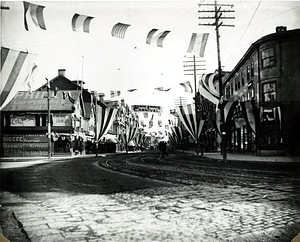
[(162, 89), (115, 93), (36, 14), (81, 22), (15, 72), (119, 30), (187, 86), (132, 90), (198, 43), (158, 39), (29, 78)]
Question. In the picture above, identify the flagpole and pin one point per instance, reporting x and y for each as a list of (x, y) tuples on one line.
[(49, 119)]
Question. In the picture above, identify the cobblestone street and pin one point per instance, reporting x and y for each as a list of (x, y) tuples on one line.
[(166, 212)]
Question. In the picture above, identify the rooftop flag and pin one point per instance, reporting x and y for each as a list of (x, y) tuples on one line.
[(81, 22), (198, 43), (119, 30), (187, 86), (158, 39), (36, 13), (132, 90), (16, 67)]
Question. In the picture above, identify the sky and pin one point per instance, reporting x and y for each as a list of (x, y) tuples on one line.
[(107, 63)]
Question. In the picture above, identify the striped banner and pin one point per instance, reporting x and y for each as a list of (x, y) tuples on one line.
[(208, 87), (16, 70), (187, 115), (178, 134), (247, 110), (105, 118), (198, 43), (158, 39), (35, 12), (81, 22), (187, 86), (119, 30), (129, 134)]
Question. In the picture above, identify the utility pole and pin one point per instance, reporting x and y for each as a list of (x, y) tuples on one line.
[(195, 65), (218, 12)]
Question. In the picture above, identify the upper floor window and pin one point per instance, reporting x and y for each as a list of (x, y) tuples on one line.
[(268, 57), (269, 92), (248, 73), (243, 78), (252, 69)]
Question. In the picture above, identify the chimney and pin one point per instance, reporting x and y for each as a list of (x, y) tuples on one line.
[(62, 72), (280, 29)]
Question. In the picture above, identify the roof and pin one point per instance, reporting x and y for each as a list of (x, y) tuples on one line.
[(38, 101)]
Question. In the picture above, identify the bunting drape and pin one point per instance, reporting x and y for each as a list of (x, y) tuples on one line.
[(105, 118), (187, 115), (247, 109), (129, 134), (16, 70)]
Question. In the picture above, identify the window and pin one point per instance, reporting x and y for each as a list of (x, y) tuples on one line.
[(243, 78), (248, 73), (267, 57), (252, 69), (269, 92)]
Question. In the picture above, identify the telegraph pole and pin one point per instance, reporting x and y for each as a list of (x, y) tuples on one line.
[(195, 65), (49, 119), (217, 17)]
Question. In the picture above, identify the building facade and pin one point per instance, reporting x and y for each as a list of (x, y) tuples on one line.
[(267, 83)]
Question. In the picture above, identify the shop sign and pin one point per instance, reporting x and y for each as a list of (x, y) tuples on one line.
[(24, 138), (22, 120), (147, 108)]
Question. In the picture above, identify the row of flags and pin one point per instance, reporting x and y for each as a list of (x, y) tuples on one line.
[(79, 22)]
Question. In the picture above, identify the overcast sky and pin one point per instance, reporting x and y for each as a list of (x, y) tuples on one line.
[(108, 63)]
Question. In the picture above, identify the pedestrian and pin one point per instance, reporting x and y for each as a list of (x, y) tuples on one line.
[(163, 148)]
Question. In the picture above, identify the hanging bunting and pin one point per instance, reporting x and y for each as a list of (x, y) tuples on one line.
[(187, 115), (207, 87), (247, 110), (198, 43), (35, 12), (16, 70), (119, 30), (105, 118), (187, 86), (81, 22), (158, 39)]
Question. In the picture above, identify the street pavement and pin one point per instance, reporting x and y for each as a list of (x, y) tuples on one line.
[(170, 212)]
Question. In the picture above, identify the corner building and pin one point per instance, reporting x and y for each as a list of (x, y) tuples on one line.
[(268, 75)]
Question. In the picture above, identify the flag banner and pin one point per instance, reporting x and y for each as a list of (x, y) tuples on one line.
[(119, 30), (162, 89), (115, 93), (16, 69), (35, 12), (187, 115), (198, 43), (208, 87), (29, 78), (172, 139), (158, 39), (81, 22), (104, 120), (132, 90), (187, 86), (247, 110)]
